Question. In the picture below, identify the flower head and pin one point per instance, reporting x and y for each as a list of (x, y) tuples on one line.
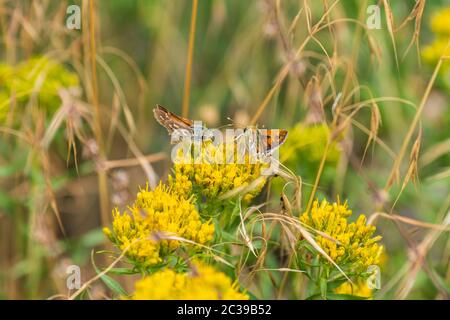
[(440, 22), (39, 75), (360, 289), (433, 52), (156, 212), (351, 244), (440, 26), (307, 145), (211, 175), (202, 283)]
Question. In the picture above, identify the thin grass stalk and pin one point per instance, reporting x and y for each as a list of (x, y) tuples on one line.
[(412, 127), (187, 78), (101, 174)]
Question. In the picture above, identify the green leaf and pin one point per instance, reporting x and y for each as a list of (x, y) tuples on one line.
[(251, 295), (110, 282), (113, 285), (6, 202), (336, 283), (441, 281), (92, 238), (323, 288), (338, 296), (123, 271), (6, 171)]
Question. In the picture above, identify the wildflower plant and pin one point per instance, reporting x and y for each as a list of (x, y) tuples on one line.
[(440, 46), (41, 77), (202, 282), (359, 289), (216, 178), (200, 203), (305, 147), (203, 204), (155, 214), (350, 247)]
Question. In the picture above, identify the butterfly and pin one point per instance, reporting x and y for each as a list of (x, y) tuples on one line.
[(261, 140)]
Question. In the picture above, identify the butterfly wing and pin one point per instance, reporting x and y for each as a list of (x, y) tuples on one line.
[(171, 121), (272, 139), (178, 127)]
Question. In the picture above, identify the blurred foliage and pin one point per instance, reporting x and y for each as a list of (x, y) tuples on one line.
[(38, 76)]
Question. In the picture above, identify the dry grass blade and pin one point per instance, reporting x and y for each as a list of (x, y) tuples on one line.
[(100, 274), (243, 189), (148, 169), (417, 261), (112, 164), (398, 161), (187, 79), (242, 230), (307, 236), (412, 172), (314, 103), (434, 152), (375, 120), (406, 220), (415, 14), (390, 25), (282, 270), (445, 174), (286, 68)]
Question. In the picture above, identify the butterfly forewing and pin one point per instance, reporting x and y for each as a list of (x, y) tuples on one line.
[(171, 121), (178, 127)]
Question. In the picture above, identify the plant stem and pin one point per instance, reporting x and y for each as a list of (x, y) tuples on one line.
[(101, 174), (187, 78)]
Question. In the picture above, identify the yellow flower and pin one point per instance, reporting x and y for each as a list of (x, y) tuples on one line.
[(360, 289), (155, 213), (354, 245), (211, 178), (39, 75), (433, 52), (307, 144), (440, 25), (202, 283), (440, 22)]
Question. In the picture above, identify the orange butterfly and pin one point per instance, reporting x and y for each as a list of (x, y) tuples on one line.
[(263, 140)]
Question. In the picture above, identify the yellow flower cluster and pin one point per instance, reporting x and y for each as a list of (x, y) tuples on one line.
[(210, 178), (154, 214), (41, 75), (202, 283), (307, 144), (440, 25), (360, 289), (352, 243)]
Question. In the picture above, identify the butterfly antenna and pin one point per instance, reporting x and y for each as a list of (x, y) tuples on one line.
[(225, 125), (235, 124)]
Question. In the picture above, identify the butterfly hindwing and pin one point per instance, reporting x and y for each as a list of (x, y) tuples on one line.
[(271, 139)]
